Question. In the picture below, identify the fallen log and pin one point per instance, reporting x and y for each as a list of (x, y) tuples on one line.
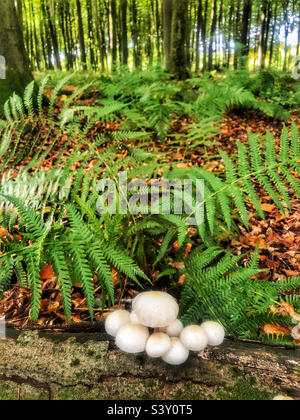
[(35, 365)]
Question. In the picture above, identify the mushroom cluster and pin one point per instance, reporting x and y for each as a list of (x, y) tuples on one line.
[(169, 340)]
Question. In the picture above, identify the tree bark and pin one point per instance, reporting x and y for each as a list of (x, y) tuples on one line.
[(124, 35), (261, 47), (18, 72), (167, 10), (212, 34), (199, 26), (81, 36), (88, 366), (247, 12), (175, 38)]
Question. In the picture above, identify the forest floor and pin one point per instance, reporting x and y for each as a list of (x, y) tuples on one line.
[(278, 236)]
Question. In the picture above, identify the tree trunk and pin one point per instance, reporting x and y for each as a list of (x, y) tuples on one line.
[(212, 34), (199, 26), (175, 38), (124, 35), (18, 73), (273, 33), (261, 47), (286, 33), (114, 21), (81, 36), (167, 10), (91, 33), (247, 11)]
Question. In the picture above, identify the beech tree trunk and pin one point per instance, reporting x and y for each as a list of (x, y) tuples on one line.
[(81, 36), (18, 72), (175, 38), (124, 36), (247, 11)]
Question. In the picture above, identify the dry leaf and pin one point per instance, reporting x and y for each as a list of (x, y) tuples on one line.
[(276, 330), (268, 207), (47, 273)]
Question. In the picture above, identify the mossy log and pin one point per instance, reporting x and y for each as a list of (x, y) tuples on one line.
[(87, 366)]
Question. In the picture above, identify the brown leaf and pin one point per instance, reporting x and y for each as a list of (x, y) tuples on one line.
[(276, 330), (268, 207), (47, 273)]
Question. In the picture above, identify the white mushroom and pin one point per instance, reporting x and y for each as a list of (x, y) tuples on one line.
[(174, 329), (194, 338), (155, 309), (296, 332), (132, 338), (158, 345), (215, 333), (178, 354), (115, 321), (133, 318)]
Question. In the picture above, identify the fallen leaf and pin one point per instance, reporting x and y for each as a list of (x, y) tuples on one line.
[(47, 272), (276, 330), (268, 207)]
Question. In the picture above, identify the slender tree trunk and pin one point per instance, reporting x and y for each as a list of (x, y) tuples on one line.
[(247, 12), (114, 20), (18, 73), (167, 8), (237, 52), (158, 29), (286, 33), (81, 36), (123, 6), (273, 33), (212, 34), (203, 35), (261, 47), (135, 36), (52, 29), (91, 33), (199, 26)]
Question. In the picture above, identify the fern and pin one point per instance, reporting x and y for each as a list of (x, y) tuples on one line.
[(221, 289), (273, 174)]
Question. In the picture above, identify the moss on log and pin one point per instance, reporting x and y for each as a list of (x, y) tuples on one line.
[(87, 366)]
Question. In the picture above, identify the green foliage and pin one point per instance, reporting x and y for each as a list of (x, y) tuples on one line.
[(219, 288), (54, 211), (268, 170)]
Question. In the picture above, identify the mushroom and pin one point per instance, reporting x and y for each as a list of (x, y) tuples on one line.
[(158, 345), (132, 338), (134, 318), (177, 354), (174, 329), (115, 321), (155, 309), (194, 338), (215, 333), (296, 332)]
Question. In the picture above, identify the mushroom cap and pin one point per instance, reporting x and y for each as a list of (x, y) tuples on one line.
[(215, 333), (178, 354), (174, 329), (132, 338), (115, 321), (296, 332), (155, 309), (194, 338), (134, 318), (158, 344)]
